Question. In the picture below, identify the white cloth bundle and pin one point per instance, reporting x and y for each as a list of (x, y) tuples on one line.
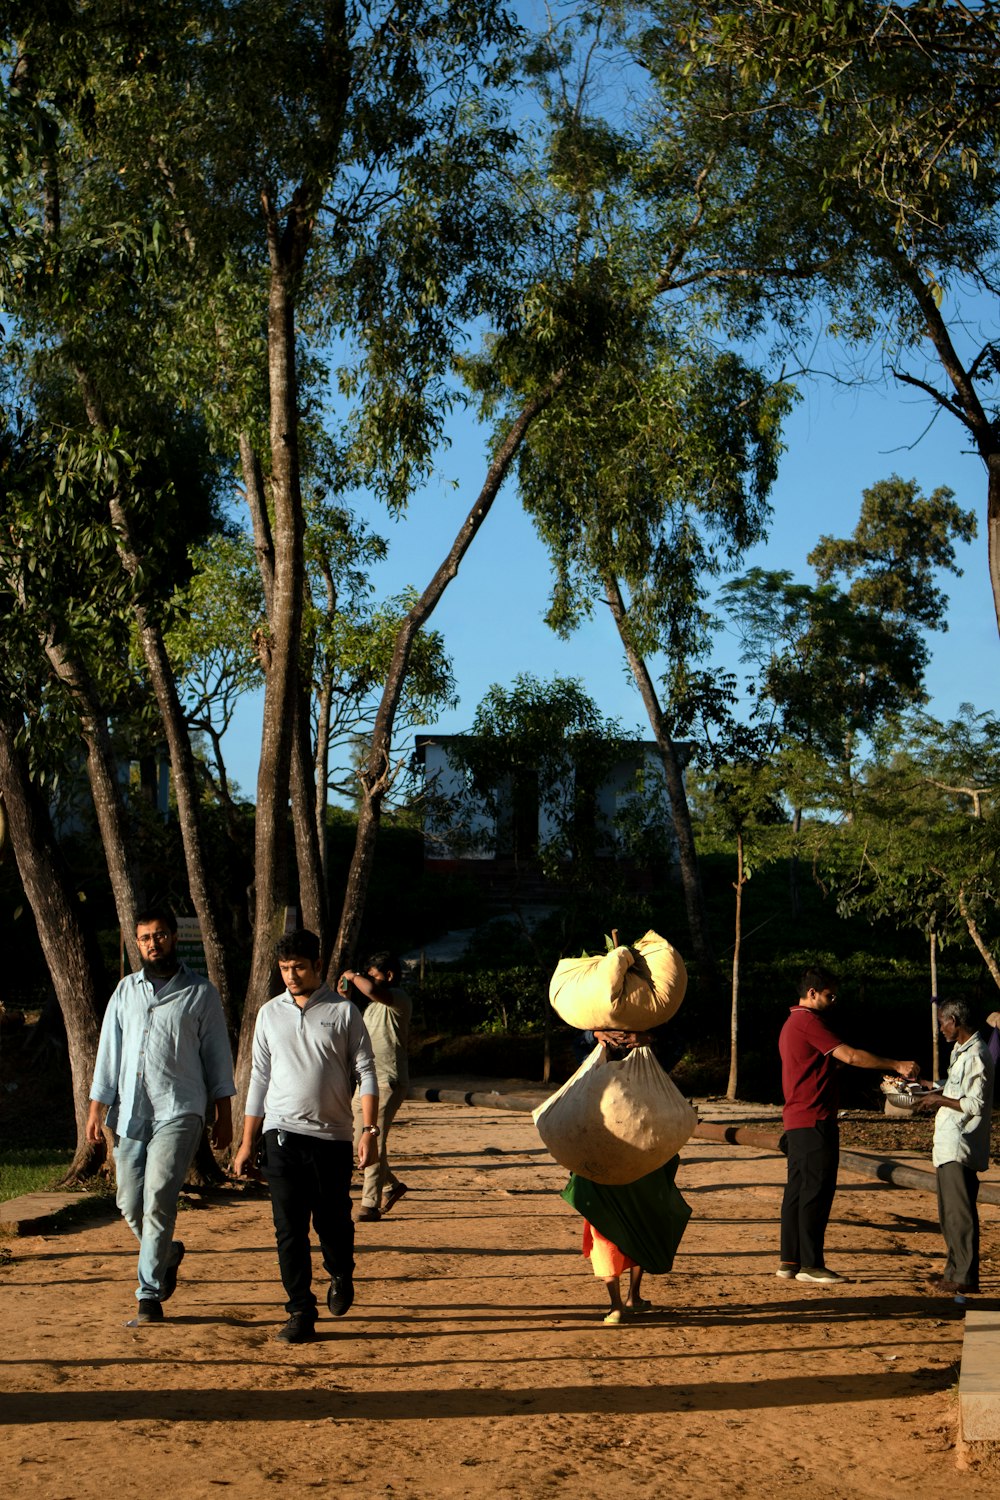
[(613, 1122), (628, 989)]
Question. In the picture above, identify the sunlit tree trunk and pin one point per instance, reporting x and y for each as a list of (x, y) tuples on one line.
[(280, 652), (71, 955)]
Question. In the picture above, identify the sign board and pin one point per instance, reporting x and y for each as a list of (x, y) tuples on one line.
[(189, 944)]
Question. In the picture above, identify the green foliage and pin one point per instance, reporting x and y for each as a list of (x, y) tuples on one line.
[(511, 999), (901, 95), (837, 664), (923, 848), (901, 538)]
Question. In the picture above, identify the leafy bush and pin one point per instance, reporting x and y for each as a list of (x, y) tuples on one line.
[(502, 1000)]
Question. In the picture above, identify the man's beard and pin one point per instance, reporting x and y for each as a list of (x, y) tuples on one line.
[(162, 968)]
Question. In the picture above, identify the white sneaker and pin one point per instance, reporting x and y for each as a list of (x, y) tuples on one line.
[(819, 1273), (787, 1271)]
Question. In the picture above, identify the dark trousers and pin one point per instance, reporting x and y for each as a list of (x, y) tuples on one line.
[(813, 1158), (309, 1178), (957, 1192)]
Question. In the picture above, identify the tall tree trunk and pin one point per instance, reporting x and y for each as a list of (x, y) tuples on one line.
[(309, 846), (182, 766), (281, 656), (993, 526), (376, 778), (935, 1033), (324, 709), (70, 953), (687, 854), (321, 769), (794, 891), (739, 883), (263, 541), (102, 774), (308, 852)]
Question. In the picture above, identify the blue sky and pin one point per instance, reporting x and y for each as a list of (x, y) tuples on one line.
[(839, 441)]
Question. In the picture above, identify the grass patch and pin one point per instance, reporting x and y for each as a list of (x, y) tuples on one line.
[(31, 1169)]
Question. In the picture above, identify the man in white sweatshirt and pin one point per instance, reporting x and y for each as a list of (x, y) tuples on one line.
[(309, 1044)]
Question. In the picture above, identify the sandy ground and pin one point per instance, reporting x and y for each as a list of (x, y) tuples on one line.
[(475, 1361)]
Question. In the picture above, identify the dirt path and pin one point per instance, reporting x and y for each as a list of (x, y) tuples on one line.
[(475, 1361)]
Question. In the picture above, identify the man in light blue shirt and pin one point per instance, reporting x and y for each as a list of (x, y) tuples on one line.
[(164, 1066), (961, 1143), (308, 1045)]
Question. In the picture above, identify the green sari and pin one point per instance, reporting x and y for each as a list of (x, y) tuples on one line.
[(645, 1219)]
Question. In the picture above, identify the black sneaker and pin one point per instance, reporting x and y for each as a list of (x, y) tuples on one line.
[(300, 1329), (340, 1296), (170, 1274), (150, 1311)]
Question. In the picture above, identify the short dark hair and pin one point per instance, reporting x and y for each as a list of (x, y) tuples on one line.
[(960, 1011), (386, 963), (156, 913), (815, 977), (298, 944)]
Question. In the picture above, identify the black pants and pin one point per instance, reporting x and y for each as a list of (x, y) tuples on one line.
[(309, 1178), (957, 1192), (813, 1158)]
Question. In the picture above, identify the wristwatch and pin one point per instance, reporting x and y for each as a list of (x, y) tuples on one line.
[(371, 1129)]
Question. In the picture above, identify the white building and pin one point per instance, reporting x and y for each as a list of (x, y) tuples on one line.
[(525, 814)]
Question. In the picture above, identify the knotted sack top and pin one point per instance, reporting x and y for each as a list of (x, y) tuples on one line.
[(629, 989)]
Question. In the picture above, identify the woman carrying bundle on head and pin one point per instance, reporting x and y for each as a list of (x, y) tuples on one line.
[(637, 1226), (618, 1124)]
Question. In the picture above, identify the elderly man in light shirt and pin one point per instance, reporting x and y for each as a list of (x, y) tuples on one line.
[(961, 1143)]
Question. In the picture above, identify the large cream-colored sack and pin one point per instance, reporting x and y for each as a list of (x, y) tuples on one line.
[(613, 1122), (628, 989)]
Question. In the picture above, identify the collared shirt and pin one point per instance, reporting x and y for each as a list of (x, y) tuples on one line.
[(162, 1053), (964, 1135), (305, 1058), (808, 1071)]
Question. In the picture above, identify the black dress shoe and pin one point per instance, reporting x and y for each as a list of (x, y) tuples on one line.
[(150, 1311), (340, 1296), (300, 1329)]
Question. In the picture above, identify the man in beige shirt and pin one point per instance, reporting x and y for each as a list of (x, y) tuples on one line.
[(387, 1010)]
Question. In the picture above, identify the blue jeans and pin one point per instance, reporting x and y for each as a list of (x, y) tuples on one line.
[(150, 1175)]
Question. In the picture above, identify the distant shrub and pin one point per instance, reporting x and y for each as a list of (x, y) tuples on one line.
[(508, 1000)]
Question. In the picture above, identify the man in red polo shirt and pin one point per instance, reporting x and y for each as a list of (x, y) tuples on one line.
[(810, 1052)]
